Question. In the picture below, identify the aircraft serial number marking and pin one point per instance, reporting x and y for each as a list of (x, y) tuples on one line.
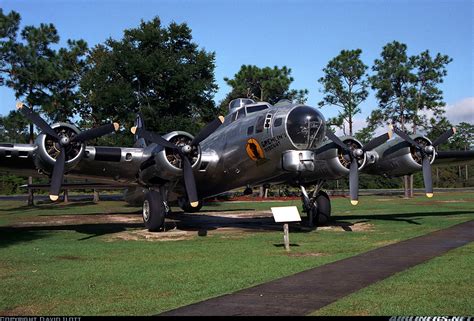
[(254, 150)]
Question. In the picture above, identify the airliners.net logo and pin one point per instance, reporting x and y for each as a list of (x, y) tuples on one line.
[(431, 319)]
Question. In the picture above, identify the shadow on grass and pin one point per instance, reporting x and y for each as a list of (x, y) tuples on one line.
[(400, 217), (18, 234), (201, 223), (48, 205)]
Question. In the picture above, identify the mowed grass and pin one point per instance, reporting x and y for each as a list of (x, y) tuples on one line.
[(79, 270), (442, 286)]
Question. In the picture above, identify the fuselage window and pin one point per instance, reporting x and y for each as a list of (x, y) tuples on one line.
[(250, 130), (253, 109), (278, 122), (260, 123)]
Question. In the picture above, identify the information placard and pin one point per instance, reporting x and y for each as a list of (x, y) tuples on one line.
[(286, 214)]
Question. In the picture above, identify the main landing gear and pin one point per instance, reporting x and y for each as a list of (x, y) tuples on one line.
[(316, 205), (155, 208)]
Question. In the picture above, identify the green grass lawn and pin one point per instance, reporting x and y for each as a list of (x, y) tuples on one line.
[(78, 270)]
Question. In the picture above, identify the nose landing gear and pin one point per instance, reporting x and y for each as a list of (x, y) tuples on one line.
[(317, 206)]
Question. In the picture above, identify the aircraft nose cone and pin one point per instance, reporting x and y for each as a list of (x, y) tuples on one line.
[(306, 127)]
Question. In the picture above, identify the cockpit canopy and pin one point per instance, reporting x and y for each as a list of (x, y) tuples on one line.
[(239, 103)]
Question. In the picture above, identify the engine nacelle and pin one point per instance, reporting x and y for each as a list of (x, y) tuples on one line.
[(166, 164), (330, 161), (48, 150), (397, 157)]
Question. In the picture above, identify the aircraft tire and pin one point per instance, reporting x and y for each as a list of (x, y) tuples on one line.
[(323, 207), (153, 211)]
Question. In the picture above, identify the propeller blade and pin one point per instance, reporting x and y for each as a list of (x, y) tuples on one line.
[(354, 182), (37, 120), (58, 173), (155, 138), (376, 142), (208, 130), (427, 179), (189, 182), (96, 132), (405, 137), (336, 140), (444, 137)]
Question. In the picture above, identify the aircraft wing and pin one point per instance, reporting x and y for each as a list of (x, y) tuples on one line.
[(454, 157)]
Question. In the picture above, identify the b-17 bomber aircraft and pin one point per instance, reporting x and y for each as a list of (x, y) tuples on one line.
[(255, 144)]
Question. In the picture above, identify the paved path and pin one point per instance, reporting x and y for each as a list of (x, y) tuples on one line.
[(310, 290)]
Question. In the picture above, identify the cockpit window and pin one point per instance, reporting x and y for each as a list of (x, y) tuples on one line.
[(306, 127), (253, 109), (241, 113)]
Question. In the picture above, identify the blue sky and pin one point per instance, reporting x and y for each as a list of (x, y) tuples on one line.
[(303, 35)]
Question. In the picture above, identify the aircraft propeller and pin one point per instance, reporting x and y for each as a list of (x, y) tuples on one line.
[(426, 152), (183, 152), (61, 143), (353, 156)]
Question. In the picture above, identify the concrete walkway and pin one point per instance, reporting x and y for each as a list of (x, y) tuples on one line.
[(310, 290)]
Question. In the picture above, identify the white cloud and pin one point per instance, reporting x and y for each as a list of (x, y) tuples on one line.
[(461, 111)]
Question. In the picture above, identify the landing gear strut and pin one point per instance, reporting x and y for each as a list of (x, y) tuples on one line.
[(317, 206)]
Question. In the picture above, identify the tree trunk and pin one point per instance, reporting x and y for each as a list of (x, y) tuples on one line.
[(437, 177), (96, 196), (262, 192), (30, 179), (411, 186), (406, 191)]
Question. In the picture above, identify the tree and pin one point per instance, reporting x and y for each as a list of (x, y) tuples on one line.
[(345, 85), (69, 66), (425, 94), (158, 70), (392, 81), (43, 77), (14, 128), (464, 137), (405, 86), (9, 25), (263, 84)]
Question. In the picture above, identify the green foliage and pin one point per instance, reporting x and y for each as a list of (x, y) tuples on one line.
[(407, 86), (10, 184), (47, 79), (157, 69), (345, 86), (9, 25), (263, 84), (14, 128), (463, 139)]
